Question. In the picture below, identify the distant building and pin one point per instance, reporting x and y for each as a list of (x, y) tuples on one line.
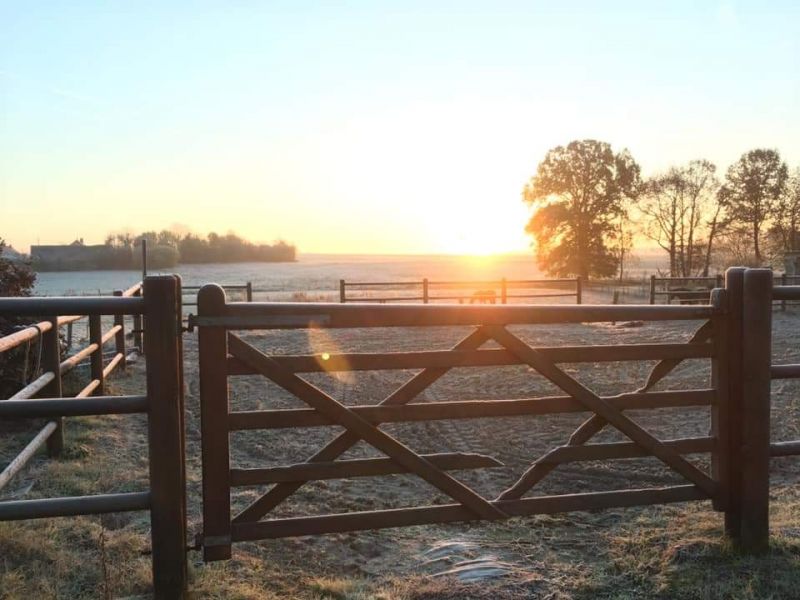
[(76, 256)]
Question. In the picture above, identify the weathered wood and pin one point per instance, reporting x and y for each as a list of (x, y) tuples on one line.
[(733, 388), (89, 389), (165, 437), (596, 404), (18, 463), (34, 387), (119, 338), (652, 289), (465, 409), (73, 361), (622, 450), (786, 292), (7, 342), (318, 363), (784, 448), (362, 428), (15, 510), (344, 441), (96, 360), (361, 467), (756, 357), (785, 371), (404, 517), (578, 290), (260, 315), (214, 405), (73, 407), (669, 363), (342, 291), (115, 361), (59, 305), (51, 363), (111, 333)]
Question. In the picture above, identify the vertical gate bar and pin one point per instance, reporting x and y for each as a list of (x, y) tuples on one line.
[(51, 359), (503, 291), (119, 338), (756, 357), (652, 289), (578, 290), (727, 426), (96, 360), (214, 406), (342, 294), (425, 290), (249, 291), (165, 437)]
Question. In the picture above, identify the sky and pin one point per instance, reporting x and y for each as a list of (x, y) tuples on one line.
[(374, 127)]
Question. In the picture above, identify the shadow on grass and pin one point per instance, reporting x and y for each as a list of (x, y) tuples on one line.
[(704, 569)]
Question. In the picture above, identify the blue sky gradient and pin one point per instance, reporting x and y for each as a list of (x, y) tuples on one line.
[(363, 126)]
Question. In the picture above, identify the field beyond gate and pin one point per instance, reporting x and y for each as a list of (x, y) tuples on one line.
[(224, 354)]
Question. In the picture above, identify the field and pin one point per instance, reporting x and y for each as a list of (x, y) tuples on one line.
[(674, 551)]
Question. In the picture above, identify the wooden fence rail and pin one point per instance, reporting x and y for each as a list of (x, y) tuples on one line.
[(157, 301), (484, 292)]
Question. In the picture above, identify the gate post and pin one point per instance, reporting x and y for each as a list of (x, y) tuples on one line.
[(756, 363), (165, 435), (726, 414), (213, 351)]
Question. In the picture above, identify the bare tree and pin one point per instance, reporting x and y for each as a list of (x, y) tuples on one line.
[(682, 215)]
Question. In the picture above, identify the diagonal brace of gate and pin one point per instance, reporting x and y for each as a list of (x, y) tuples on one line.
[(600, 407), (346, 440), (362, 428)]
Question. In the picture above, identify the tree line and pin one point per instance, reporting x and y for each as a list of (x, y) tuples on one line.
[(168, 248), (590, 204)]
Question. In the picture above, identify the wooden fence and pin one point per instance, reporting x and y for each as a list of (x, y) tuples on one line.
[(482, 292), (157, 300), (734, 334), (696, 290)]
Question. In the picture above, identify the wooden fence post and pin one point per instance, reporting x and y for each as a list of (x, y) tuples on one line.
[(652, 289), (138, 330), (756, 362), (504, 291), (51, 361), (119, 338), (166, 436), (578, 290), (96, 360), (726, 414), (249, 291), (342, 293), (214, 406), (425, 290)]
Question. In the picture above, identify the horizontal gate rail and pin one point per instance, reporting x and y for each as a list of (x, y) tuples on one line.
[(261, 315), (475, 358), (448, 513), (465, 409)]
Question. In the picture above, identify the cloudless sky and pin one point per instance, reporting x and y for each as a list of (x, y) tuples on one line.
[(385, 127)]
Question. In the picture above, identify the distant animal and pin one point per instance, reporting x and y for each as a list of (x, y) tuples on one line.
[(685, 295), (483, 297)]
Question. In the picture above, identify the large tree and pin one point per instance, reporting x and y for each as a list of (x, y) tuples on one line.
[(578, 195), (787, 217), (752, 192), (682, 215)]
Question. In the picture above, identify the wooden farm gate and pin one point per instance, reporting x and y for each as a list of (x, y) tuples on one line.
[(724, 337)]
